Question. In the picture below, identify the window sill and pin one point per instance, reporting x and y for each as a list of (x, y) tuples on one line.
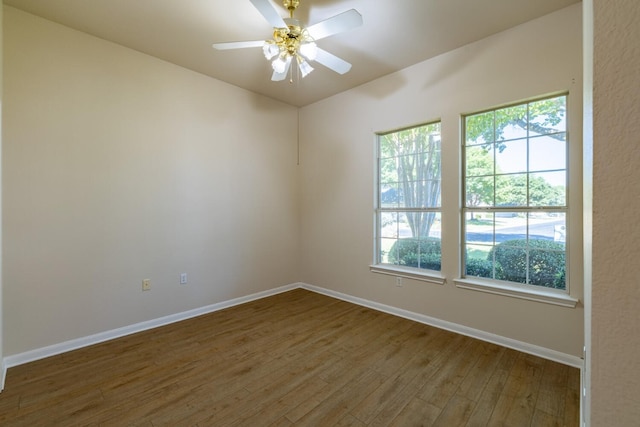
[(409, 273), (548, 296)]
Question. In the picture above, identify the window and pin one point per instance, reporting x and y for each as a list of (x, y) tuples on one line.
[(515, 194), (408, 198)]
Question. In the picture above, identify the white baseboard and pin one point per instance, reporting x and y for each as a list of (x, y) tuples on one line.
[(52, 350), (524, 347)]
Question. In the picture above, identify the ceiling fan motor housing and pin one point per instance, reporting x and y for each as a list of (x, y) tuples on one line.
[(288, 39)]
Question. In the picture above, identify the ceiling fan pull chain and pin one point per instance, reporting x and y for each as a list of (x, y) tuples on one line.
[(291, 73)]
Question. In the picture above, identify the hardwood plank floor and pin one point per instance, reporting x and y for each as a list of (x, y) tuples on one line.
[(293, 359)]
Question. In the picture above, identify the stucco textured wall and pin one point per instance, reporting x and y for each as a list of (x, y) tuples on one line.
[(616, 199)]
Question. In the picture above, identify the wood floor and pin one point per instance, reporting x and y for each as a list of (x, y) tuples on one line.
[(297, 358)]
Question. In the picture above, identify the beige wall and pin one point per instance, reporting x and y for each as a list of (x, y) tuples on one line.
[(337, 159), (119, 167), (615, 339)]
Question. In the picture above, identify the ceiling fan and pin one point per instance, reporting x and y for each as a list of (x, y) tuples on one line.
[(292, 42)]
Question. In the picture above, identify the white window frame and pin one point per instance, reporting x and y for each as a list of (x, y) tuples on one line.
[(378, 266), (513, 289)]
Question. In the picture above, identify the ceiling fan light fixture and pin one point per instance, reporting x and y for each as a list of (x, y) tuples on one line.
[(304, 67), (280, 64), (293, 41), (270, 50)]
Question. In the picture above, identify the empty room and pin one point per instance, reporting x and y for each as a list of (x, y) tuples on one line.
[(319, 212)]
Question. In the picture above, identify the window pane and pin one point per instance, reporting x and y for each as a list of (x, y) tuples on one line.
[(425, 194), (420, 194), (407, 168), (528, 249), (510, 226), (390, 196), (479, 192), (388, 171), (389, 225), (477, 262), (547, 153), (548, 189), (411, 239), (435, 230), (546, 266), (388, 146), (416, 253), (429, 254), (560, 228), (422, 224), (419, 167), (479, 128), (413, 224), (404, 229), (511, 123), (479, 228), (511, 156), (547, 116), (549, 226), (479, 160), (511, 261), (388, 250), (511, 190)]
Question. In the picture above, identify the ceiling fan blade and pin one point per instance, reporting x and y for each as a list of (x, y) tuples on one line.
[(267, 10), (238, 45), (278, 77), (342, 22), (332, 62)]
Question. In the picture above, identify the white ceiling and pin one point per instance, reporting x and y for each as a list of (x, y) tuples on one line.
[(395, 34)]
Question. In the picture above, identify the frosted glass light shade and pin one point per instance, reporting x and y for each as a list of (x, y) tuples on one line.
[(270, 50), (279, 65), (305, 68)]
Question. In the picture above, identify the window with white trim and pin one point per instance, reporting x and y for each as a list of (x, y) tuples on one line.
[(515, 194), (408, 210)]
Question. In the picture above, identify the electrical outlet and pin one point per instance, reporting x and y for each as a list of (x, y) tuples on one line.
[(146, 285), (183, 278), (399, 282)]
